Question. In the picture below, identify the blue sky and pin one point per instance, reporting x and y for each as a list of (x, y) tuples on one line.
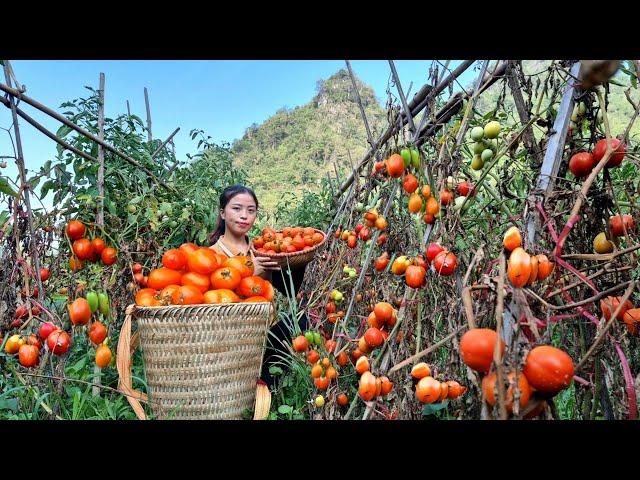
[(221, 97)]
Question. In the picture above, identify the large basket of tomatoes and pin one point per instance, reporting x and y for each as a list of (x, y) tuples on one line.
[(202, 326), (293, 246)]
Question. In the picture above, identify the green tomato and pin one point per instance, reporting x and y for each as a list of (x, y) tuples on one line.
[(103, 301), (131, 208), (406, 156), (359, 207), (479, 147), (352, 274), (415, 158), (476, 134), (309, 336), (346, 269), (487, 155), (492, 129), (477, 163), (92, 298), (173, 224), (317, 339)]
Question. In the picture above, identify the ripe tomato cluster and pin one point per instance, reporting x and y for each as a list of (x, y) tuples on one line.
[(85, 249), (197, 275), (581, 164), (289, 240), (547, 370), (628, 313), (415, 269), (372, 219), (524, 269), (430, 390), (22, 311)]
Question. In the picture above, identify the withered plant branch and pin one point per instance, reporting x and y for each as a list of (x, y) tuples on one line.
[(497, 351), (426, 351), (600, 272), (636, 111), (600, 256), (523, 305), (587, 301)]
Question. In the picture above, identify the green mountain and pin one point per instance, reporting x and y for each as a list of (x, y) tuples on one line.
[(292, 150), (295, 148)]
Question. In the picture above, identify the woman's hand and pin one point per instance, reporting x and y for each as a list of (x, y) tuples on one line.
[(264, 264)]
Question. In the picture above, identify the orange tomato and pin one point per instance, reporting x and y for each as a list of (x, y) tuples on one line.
[(198, 280), (420, 370), (163, 277), (519, 269), (147, 297), (242, 264), (512, 239), (187, 295), (203, 260), (428, 390), (174, 259), (367, 385), (490, 392), (476, 348), (226, 277)]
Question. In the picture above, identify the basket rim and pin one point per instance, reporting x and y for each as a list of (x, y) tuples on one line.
[(292, 254), (230, 304)]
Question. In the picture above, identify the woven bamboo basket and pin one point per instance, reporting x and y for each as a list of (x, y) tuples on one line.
[(296, 259), (200, 361)]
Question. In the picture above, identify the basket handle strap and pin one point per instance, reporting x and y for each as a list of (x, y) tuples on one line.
[(126, 347)]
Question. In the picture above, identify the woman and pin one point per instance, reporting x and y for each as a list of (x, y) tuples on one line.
[(238, 211)]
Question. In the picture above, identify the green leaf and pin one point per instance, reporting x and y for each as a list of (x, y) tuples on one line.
[(4, 216), (274, 370), (489, 115), (616, 82), (63, 131), (110, 207), (79, 365), (10, 404), (6, 188), (34, 181), (285, 409), (431, 408)]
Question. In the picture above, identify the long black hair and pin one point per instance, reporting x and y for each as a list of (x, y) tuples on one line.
[(225, 197)]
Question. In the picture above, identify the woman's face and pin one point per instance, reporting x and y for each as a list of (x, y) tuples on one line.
[(239, 214)]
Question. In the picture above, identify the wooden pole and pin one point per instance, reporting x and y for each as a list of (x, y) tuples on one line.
[(67, 122), (97, 371), (146, 103)]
